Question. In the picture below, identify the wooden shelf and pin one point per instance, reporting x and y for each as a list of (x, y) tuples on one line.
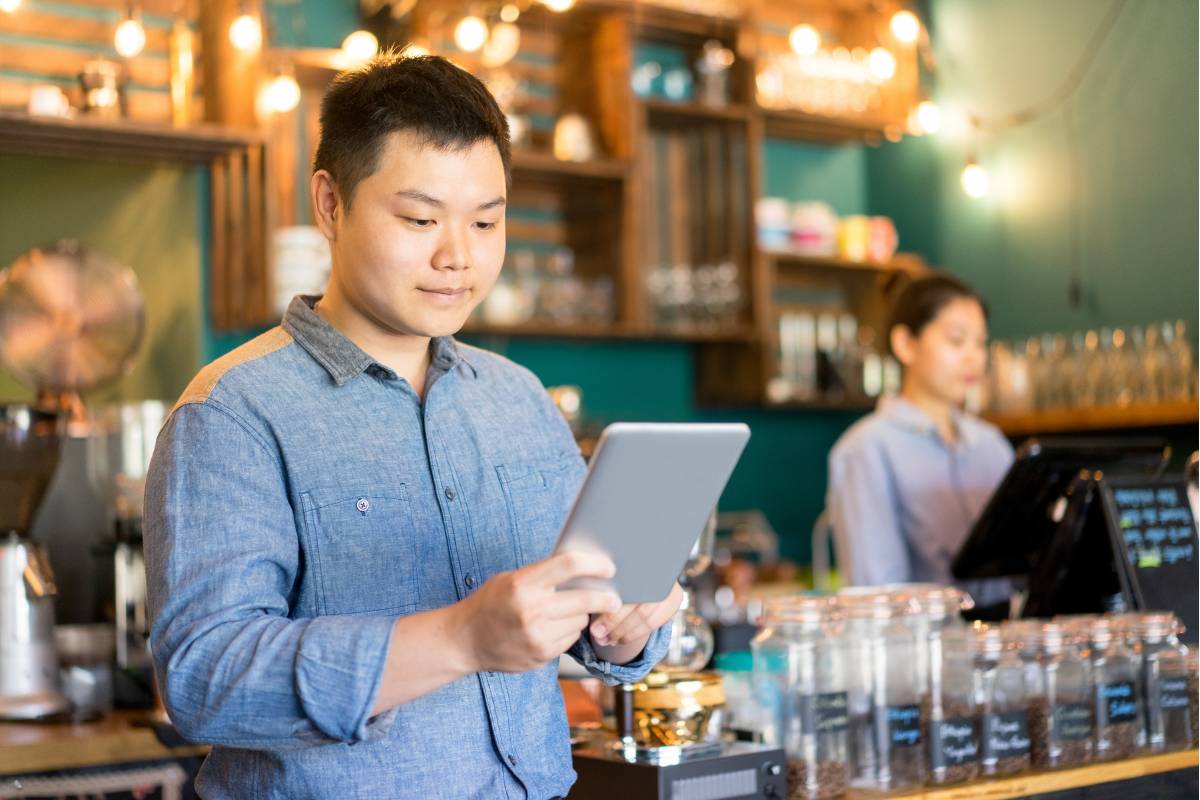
[(1040, 783), (788, 259), (693, 112), (535, 163), (787, 124), (1073, 420), (120, 737), (119, 139)]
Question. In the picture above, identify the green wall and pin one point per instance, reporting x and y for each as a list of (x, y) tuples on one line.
[(1134, 118)]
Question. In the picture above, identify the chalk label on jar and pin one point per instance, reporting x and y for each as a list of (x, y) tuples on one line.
[(953, 742), (1118, 700), (1073, 721), (825, 713), (904, 725), (1172, 694), (1005, 735)]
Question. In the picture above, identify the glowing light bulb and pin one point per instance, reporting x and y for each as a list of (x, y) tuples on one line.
[(245, 32), (415, 51), (9, 6), (360, 47), (558, 6), (510, 13), (470, 34), (130, 38), (282, 94), (905, 26), (929, 116), (881, 64), (974, 180), (805, 40)]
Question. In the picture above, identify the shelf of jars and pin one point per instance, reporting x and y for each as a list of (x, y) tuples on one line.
[(783, 258), (1039, 783), (1074, 420)]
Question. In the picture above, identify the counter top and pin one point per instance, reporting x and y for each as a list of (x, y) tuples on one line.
[(1036, 783), (120, 737)]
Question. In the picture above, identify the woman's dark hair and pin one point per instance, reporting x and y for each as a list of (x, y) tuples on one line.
[(444, 106), (920, 301)]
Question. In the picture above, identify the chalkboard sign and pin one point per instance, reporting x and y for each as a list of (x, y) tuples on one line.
[(1153, 533)]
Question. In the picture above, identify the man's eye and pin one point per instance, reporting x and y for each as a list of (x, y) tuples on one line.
[(419, 223), (485, 226)]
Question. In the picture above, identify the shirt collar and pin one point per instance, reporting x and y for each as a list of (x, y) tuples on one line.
[(342, 358), (907, 415)]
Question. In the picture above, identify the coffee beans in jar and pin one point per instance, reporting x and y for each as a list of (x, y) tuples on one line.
[(1118, 710), (1061, 709)]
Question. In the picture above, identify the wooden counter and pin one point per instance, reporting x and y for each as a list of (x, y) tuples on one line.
[(118, 738), (1038, 783)]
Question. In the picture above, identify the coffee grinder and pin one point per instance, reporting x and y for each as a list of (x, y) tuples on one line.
[(667, 742), (30, 447)]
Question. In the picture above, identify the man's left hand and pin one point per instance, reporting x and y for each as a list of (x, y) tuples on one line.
[(634, 622)]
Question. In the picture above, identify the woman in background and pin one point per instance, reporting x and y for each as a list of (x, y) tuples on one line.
[(907, 482)]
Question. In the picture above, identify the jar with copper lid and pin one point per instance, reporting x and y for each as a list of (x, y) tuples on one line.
[(1062, 707), (1118, 711), (1164, 670), (1002, 681)]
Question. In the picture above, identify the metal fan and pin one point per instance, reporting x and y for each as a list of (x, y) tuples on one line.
[(71, 320)]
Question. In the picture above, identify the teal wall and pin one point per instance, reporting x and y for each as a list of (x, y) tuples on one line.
[(1135, 144)]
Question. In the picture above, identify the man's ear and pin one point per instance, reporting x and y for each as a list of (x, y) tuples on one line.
[(903, 344), (326, 203)]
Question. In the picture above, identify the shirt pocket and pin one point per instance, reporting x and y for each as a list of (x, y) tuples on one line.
[(538, 494), (361, 549)]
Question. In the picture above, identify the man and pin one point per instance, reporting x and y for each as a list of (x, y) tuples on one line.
[(348, 519)]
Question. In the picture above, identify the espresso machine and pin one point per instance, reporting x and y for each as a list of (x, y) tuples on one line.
[(30, 446), (666, 741)]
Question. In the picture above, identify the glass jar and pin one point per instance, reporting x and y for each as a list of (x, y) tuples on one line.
[(1127, 626), (886, 715), (800, 686), (1061, 708), (1164, 669), (1118, 707), (1002, 688), (951, 713)]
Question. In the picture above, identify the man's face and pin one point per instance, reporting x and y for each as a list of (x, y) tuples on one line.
[(423, 243)]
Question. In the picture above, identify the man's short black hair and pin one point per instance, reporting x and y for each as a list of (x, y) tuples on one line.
[(444, 106)]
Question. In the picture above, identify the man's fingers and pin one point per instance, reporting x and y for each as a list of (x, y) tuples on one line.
[(562, 567), (633, 624), (571, 602)]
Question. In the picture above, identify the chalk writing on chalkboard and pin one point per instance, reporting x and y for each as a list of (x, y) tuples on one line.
[(1156, 525)]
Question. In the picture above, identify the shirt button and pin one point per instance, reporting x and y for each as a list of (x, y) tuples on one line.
[(469, 581), (450, 495), (512, 759), (363, 505)]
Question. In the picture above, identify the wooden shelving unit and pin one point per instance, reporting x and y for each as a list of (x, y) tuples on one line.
[(695, 111), (784, 259), (1077, 420), (531, 162)]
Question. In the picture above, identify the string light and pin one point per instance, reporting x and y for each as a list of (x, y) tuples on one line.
[(882, 64), (558, 6), (245, 32), (9, 6), (905, 26), (360, 47), (929, 117), (130, 37), (974, 180), (510, 13), (470, 34), (805, 40), (282, 94)]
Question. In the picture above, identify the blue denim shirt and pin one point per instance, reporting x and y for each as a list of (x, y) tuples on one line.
[(902, 499), (301, 498)]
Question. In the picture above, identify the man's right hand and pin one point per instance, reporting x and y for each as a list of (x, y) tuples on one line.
[(517, 621)]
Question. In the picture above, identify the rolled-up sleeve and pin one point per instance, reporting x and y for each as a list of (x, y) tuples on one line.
[(222, 562), (584, 652), (863, 511)]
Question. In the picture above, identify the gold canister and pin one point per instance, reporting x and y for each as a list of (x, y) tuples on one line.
[(676, 708)]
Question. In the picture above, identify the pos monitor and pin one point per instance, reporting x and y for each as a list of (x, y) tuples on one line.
[(1046, 521)]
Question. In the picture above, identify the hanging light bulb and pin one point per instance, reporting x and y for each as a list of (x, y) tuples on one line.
[(130, 37), (470, 34), (974, 180), (9, 6), (282, 93), (245, 32), (502, 45), (360, 47), (881, 64), (558, 6), (929, 117), (805, 40), (510, 13), (414, 50), (905, 26)]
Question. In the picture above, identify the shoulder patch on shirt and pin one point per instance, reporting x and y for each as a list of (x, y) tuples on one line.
[(207, 379)]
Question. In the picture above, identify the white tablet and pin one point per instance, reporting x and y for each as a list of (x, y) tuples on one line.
[(648, 492)]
